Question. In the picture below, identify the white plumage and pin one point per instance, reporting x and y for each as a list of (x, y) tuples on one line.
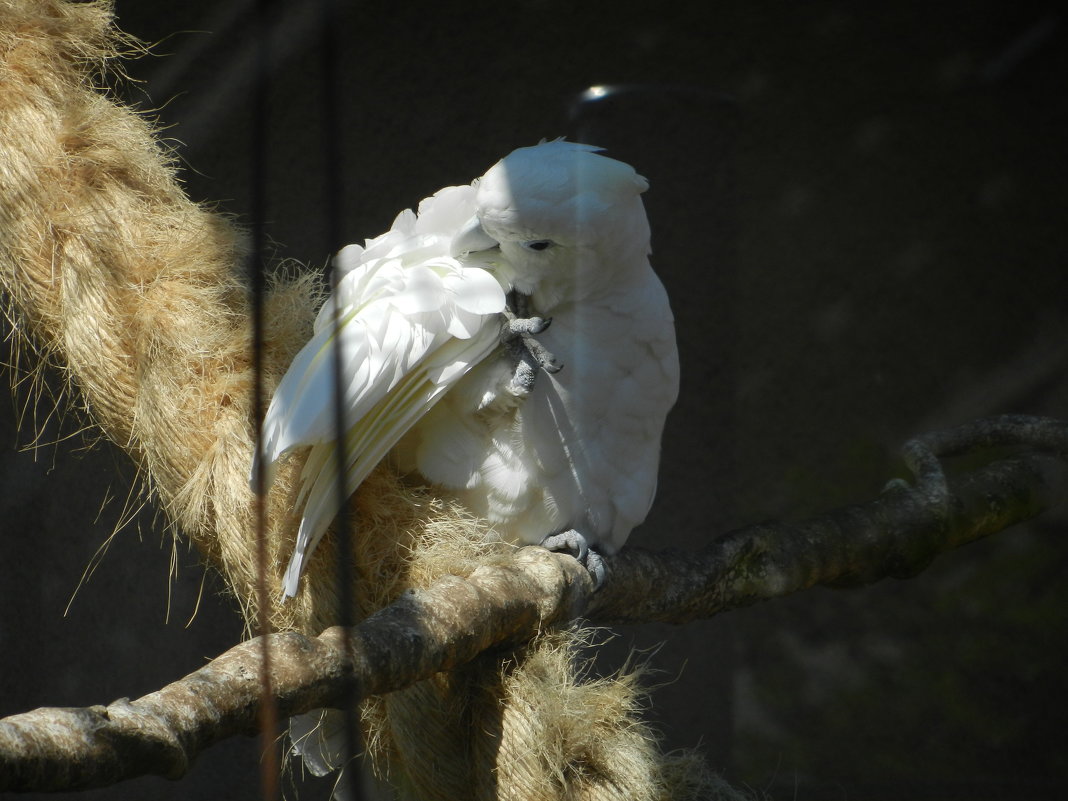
[(429, 381)]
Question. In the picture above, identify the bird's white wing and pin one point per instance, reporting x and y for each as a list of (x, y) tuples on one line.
[(411, 321)]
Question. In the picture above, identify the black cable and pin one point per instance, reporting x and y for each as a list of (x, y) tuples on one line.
[(269, 764), (333, 172)]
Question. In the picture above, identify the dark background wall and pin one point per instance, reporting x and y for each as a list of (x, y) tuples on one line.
[(859, 212)]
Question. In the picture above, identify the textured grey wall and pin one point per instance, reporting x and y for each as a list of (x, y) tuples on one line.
[(864, 241)]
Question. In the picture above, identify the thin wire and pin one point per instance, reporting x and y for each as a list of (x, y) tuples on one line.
[(333, 171), (269, 764)]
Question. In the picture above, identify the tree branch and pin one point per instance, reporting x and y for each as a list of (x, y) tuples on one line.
[(896, 535), (423, 632), (457, 619)]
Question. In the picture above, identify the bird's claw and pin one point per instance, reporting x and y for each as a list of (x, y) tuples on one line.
[(532, 326), (574, 543), (519, 335)]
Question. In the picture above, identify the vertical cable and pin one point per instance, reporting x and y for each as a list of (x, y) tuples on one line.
[(333, 172), (269, 763)]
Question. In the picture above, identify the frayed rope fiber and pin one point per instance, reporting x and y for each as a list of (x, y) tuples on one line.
[(136, 296)]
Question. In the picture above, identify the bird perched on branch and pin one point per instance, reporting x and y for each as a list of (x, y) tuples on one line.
[(510, 344)]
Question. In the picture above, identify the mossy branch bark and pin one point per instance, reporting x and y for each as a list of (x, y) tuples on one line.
[(896, 535), (427, 631)]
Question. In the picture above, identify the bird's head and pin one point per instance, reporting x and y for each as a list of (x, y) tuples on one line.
[(566, 220)]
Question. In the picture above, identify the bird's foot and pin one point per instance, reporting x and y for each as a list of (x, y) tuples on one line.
[(574, 543), (520, 336)]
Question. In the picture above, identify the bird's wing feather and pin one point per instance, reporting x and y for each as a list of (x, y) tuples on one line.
[(411, 321), (406, 338), (371, 436)]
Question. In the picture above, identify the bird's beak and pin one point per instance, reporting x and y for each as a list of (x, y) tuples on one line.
[(471, 238)]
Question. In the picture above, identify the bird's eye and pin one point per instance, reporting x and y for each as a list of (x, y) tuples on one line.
[(537, 244)]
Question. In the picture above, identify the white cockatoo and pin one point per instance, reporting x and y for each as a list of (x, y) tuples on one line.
[(510, 344)]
